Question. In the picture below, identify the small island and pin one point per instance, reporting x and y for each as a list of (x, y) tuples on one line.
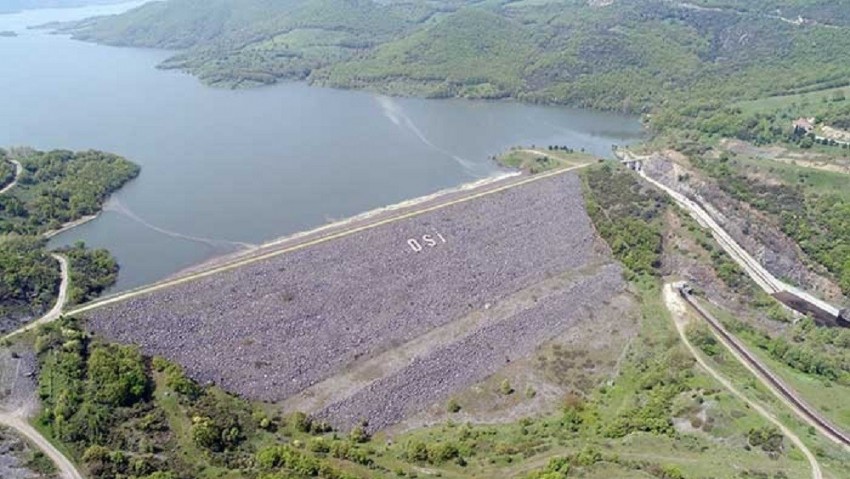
[(8, 33)]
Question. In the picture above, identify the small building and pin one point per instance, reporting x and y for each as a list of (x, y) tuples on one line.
[(804, 126)]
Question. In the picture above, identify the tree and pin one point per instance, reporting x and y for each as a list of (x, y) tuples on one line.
[(206, 434), (117, 375)]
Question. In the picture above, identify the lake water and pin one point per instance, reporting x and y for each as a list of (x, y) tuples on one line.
[(222, 167)]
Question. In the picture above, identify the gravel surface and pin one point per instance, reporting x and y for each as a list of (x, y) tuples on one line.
[(472, 358), (13, 449), (17, 379), (270, 329)]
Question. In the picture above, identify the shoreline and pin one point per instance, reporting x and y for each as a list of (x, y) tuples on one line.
[(71, 225), (346, 227), (365, 215)]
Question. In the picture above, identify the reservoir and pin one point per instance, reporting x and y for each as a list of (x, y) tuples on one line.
[(226, 169)]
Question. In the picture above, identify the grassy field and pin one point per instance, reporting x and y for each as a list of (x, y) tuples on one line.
[(798, 103), (815, 181), (824, 395), (536, 160), (717, 449), (831, 457)]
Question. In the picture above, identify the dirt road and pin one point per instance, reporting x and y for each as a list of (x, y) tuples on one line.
[(18, 170), (17, 418), (56, 311), (679, 312), (17, 421), (777, 387)]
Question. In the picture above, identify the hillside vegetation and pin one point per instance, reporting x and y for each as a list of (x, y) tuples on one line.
[(7, 170), (633, 56), (29, 278), (122, 415), (60, 186), (54, 188)]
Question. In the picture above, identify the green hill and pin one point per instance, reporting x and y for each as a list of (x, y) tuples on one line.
[(473, 53), (633, 56)]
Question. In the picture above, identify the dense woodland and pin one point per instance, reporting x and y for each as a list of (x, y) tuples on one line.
[(639, 56), (29, 279), (627, 214), (55, 187), (92, 272), (60, 186)]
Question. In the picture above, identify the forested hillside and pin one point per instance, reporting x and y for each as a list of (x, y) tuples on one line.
[(632, 56), (7, 170), (29, 279), (54, 188), (60, 186)]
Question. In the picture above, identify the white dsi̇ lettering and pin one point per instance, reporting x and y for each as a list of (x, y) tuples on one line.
[(414, 245)]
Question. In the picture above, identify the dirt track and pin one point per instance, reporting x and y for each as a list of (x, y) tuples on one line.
[(776, 386), (15, 410), (58, 307), (679, 311)]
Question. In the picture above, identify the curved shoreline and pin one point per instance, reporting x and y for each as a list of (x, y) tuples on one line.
[(70, 225)]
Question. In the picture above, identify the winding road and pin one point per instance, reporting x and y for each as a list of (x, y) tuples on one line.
[(57, 309), (17, 419), (679, 312), (18, 170)]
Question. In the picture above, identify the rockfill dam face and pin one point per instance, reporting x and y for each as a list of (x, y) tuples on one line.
[(273, 328)]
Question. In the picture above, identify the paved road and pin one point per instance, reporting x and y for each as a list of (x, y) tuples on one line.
[(769, 283), (678, 310), (18, 170), (17, 419)]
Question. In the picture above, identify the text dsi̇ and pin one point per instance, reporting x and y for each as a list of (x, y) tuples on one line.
[(426, 241)]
